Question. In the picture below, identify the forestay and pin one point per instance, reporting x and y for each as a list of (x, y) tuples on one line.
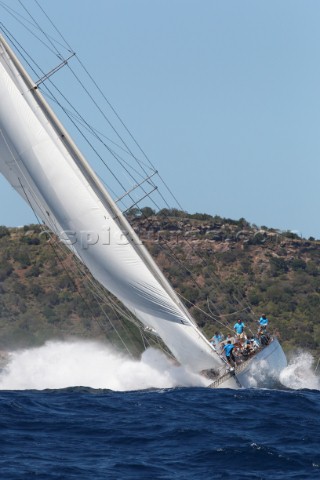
[(42, 163)]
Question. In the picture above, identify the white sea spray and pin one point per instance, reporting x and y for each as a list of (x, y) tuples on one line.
[(61, 364), (300, 373)]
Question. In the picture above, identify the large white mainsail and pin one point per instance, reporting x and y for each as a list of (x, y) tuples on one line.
[(42, 163)]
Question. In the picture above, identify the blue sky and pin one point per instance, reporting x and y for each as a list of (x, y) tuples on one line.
[(224, 96)]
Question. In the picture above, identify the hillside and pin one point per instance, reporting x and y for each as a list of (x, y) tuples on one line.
[(223, 269)]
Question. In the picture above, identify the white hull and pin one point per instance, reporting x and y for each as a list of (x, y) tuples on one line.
[(262, 370)]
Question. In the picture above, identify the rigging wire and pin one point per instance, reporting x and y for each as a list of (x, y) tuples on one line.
[(97, 290), (41, 30), (110, 105), (20, 48), (68, 274), (16, 16), (104, 297), (189, 270), (110, 151)]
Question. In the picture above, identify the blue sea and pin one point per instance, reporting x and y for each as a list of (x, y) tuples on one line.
[(150, 419), (181, 433)]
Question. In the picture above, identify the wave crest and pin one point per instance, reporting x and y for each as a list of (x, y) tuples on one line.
[(300, 373), (91, 364)]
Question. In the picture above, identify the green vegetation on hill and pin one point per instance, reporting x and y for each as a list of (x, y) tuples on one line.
[(223, 269)]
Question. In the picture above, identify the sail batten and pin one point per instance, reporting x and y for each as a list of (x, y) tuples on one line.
[(37, 153)]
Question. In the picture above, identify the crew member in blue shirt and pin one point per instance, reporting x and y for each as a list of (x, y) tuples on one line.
[(229, 353), (239, 326), (217, 338), (263, 323)]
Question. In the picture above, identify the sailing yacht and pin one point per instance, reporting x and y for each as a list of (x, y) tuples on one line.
[(43, 164)]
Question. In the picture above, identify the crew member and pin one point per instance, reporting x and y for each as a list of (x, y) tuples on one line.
[(229, 353), (263, 323), (239, 326), (217, 338)]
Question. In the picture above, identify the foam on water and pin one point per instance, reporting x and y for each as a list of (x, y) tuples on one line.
[(60, 364), (300, 373)]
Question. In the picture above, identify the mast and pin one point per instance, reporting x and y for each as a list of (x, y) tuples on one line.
[(94, 181), (145, 294)]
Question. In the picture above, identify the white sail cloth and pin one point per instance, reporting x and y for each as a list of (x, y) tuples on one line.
[(35, 160)]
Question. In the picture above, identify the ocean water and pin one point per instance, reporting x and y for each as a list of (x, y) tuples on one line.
[(77, 410)]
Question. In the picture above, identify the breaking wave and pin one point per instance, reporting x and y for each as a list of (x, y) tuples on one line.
[(59, 364), (300, 373)]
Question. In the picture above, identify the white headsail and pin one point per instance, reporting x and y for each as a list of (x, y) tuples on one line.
[(42, 163)]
